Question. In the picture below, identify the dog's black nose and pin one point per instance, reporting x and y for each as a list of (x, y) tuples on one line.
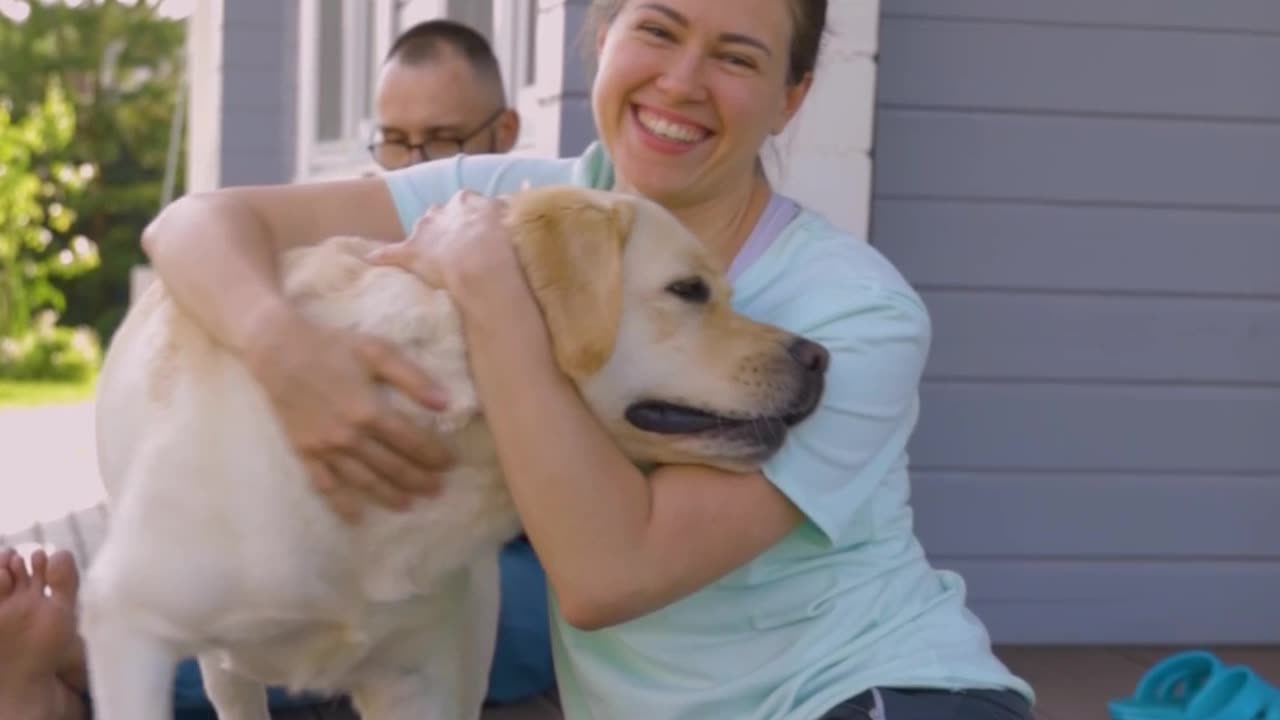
[(812, 357)]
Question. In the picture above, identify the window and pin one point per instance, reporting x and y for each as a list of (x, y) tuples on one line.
[(475, 14), (341, 45), (530, 54), (515, 42), (510, 27)]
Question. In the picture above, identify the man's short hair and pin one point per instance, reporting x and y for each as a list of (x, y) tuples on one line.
[(424, 43)]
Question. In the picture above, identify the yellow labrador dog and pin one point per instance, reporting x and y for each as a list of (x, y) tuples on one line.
[(219, 548)]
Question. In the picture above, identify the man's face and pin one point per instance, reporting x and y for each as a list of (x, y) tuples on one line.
[(438, 106)]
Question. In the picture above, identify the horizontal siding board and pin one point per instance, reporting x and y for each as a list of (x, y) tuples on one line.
[(1087, 194), (1259, 16), (251, 130), (1175, 603), (256, 48), (239, 14), (249, 168), (256, 89), (1123, 70), (577, 129), (1099, 427), (1107, 249), (573, 72), (1105, 516), (1083, 337), (1077, 159)]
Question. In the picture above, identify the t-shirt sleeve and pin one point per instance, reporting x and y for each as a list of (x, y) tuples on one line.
[(416, 188), (833, 462)]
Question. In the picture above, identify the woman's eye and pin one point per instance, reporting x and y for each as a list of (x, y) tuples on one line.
[(740, 61), (657, 32), (692, 290)]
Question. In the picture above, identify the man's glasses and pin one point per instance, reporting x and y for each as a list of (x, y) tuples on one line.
[(393, 154)]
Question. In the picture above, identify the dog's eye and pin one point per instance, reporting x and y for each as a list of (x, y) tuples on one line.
[(692, 289)]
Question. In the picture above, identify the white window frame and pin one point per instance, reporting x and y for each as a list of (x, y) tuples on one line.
[(514, 22), (347, 157)]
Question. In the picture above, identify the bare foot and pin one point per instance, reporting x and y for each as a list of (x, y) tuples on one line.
[(38, 640)]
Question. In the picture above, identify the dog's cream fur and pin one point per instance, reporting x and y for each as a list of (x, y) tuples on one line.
[(218, 547)]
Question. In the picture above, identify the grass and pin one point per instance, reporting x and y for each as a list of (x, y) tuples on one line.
[(26, 393)]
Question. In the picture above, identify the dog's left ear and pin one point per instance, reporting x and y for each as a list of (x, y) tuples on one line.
[(571, 249)]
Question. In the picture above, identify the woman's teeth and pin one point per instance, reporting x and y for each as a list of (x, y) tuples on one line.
[(669, 130)]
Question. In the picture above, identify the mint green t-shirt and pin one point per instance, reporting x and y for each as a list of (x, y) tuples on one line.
[(847, 601)]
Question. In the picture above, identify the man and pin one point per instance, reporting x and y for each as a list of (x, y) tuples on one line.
[(439, 93)]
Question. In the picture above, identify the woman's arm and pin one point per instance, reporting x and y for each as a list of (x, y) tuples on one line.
[(615, 544), (217, 254), (203, 245)]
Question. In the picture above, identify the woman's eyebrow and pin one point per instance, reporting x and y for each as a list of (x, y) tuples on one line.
[(745, 40), (682, 21)]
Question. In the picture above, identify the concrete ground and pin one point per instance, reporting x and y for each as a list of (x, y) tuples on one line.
[(48, 463)]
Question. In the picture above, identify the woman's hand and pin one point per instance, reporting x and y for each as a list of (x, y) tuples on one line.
[(463, 247), (324, 384)]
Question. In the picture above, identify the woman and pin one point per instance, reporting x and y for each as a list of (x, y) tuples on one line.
[(795, 592)]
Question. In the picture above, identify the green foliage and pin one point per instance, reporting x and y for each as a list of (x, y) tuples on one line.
[(48, 351), (36, 243), (120, 66), (29, 393)]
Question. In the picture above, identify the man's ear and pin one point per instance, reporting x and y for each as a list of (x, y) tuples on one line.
[(508, 131), (571, 249)]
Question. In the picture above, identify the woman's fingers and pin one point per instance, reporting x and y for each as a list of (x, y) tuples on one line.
[(407, 475), (421, 447), (356, 475), (346, 485), (345, 503)]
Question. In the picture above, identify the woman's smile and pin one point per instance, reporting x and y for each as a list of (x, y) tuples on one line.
[(666, 132)]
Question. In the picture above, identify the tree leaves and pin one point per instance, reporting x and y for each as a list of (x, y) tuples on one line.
[(119, 66), (36, 216)]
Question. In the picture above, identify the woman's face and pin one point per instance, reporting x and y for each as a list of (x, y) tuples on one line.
[(687, 91)]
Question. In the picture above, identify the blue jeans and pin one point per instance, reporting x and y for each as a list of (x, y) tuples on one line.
[(931, 704), (521, 667)]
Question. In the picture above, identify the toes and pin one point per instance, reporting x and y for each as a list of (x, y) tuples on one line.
[(18, 572), (39, 563), (63, 578), (6, 580)]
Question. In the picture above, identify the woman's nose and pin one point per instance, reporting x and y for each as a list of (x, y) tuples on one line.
[(682, 79)]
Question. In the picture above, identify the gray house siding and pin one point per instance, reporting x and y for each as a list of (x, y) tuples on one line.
[(1087, 195), (260, 89)]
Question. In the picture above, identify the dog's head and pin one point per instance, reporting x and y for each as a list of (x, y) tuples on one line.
[(640, 319)]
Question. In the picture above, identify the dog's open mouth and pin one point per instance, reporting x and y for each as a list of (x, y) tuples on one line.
[(666, 418)]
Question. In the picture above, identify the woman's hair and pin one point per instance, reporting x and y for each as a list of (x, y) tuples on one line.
[(809, 18)]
